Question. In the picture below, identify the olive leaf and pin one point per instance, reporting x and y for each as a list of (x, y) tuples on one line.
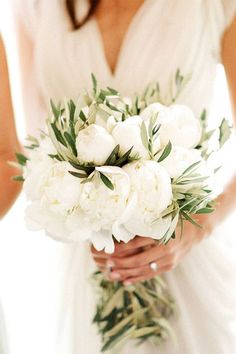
[(77, 174), (225, 132), (144, 136), (95, 83), (56, 110), (166, 152), (21, 159), (71, 142), (108, 183), (18, 178), (113, 156)]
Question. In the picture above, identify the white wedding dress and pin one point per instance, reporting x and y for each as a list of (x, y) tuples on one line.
[(164, 35)]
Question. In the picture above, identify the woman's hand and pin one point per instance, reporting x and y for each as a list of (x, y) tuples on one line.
[(130, 262)]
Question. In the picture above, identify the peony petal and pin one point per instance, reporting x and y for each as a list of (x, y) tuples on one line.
[(130, 208), (103, 240), (121, 233), (113, 170), (156, 231), (79, 229), (152, 109)]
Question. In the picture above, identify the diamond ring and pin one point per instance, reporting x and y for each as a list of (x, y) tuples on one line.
[(153, 266)]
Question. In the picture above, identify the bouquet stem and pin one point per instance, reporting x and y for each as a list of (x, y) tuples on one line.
[(140, 311)]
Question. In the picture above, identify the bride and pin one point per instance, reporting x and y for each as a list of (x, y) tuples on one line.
[(127, 45)]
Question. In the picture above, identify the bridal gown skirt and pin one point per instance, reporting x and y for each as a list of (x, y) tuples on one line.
[(204, 289), (48, 299)]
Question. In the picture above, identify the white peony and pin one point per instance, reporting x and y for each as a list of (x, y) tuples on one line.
[(79, 229), (38, 217), (128, 134), (213, 143), (179, 125), (36, 169), (94, 144), (61, 191), (152, 185), (102, 210), (110, 124), (180, 159), (151, 110), (101, 205), (58, 197), (71, 211)]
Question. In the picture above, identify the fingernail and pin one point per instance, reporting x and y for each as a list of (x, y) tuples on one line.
[(110, 263), (127, 282), (115, 275)]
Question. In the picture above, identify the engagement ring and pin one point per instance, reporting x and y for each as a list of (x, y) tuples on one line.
[(153, 266)]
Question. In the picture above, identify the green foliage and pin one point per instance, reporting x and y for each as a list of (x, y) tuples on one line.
[(166, 152), (21, 159), (137, 312), (58, 134), (70, 140), (95, 83), (112, 158), (106, 181), (144, 136), (77, 174), (126, 158), (21, 162), (18, 178), (55, 110), (225, 132)]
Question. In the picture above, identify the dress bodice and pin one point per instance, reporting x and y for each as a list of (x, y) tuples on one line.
[(164, 36)]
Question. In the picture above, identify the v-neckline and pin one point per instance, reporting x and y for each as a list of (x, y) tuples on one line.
[(113, 73)]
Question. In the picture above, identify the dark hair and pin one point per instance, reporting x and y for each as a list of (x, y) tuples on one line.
[(70, 5)]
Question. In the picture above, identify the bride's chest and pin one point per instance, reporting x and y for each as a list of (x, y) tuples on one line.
[(166, 36)]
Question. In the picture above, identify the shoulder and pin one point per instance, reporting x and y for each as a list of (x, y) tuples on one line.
[(220, 15), (27, 12), (222, 12), (35, 14), (229, 9)]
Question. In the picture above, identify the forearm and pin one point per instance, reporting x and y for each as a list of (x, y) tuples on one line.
[(8, 140), (9, 189)]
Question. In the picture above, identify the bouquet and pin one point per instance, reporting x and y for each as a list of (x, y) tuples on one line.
[(108, 168)]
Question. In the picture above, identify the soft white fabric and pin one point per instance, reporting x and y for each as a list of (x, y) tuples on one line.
[(163, 36)]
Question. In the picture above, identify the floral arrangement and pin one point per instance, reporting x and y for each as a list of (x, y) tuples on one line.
[(108, 168)]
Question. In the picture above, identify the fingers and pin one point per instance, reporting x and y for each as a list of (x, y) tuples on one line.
[(136, 243), (130, 281), (123, 274), (137, 260), (132, 275), (103, 259), (123, 248), (98, 254), (133, 265)]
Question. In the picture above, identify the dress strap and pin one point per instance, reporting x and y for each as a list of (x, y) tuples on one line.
[(229, 7), (220, 14), (28, 13)]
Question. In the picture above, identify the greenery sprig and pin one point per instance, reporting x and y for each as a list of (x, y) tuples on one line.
[(137, 312)]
